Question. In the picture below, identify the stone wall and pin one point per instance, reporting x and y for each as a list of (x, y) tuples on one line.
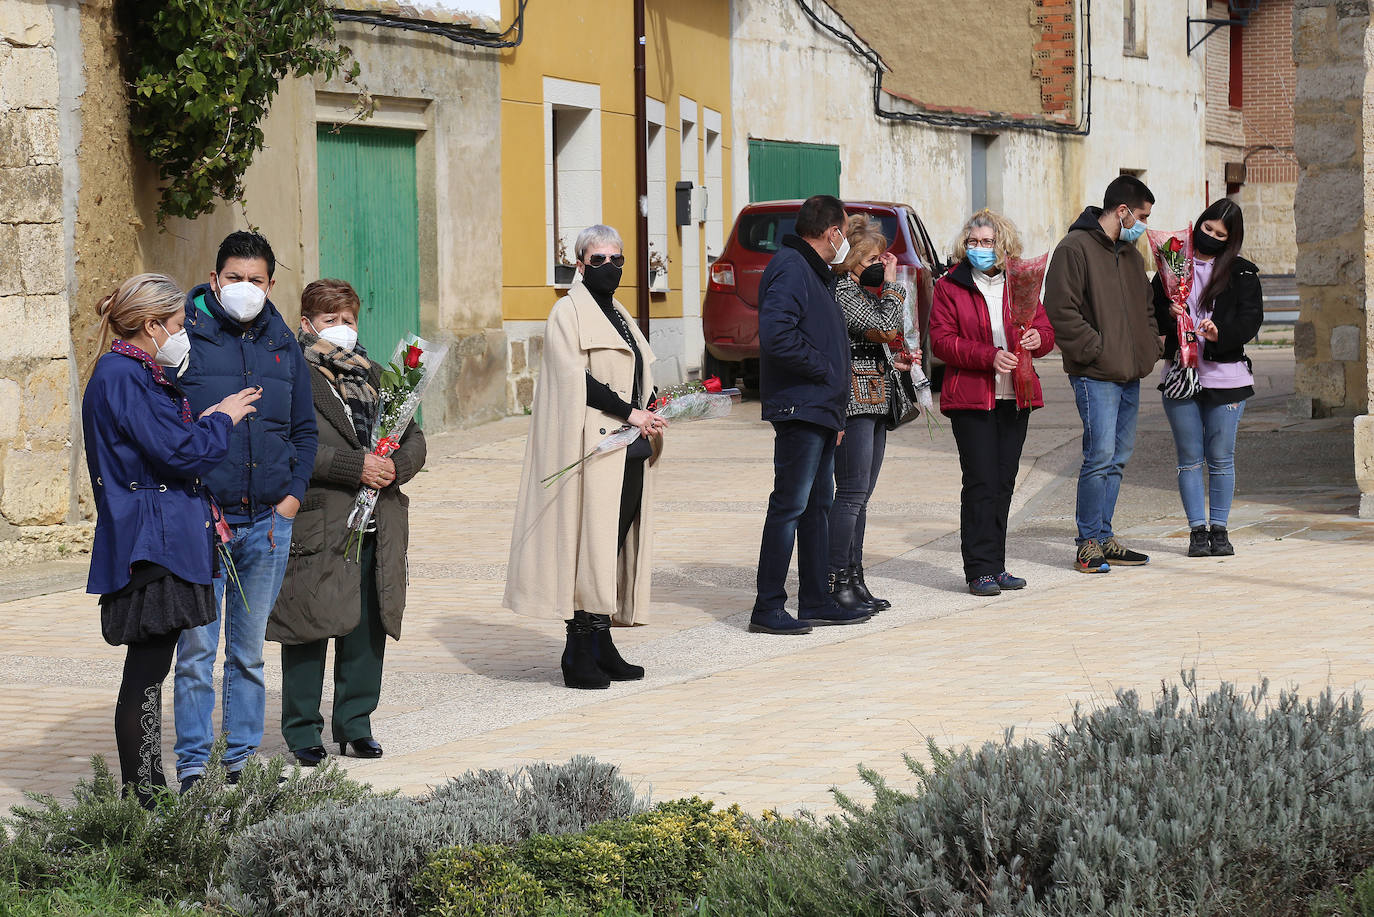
[(1331, 132), (37, 375)]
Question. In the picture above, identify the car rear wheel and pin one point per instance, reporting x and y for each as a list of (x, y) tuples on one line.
[(724, 370)]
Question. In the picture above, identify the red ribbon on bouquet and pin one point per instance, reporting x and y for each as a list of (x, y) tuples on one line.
[(1025, 277)]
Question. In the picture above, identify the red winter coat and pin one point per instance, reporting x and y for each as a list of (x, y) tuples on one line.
[(961, 336)]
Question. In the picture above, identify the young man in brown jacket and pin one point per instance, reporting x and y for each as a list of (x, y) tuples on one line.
[(1099, 301)]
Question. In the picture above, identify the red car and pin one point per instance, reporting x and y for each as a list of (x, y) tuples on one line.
[(730, 312)]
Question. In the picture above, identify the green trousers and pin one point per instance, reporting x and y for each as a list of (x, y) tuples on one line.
[(357, 673)]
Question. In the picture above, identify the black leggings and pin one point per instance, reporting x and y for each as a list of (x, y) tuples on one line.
[(138, 715), (631, 495)]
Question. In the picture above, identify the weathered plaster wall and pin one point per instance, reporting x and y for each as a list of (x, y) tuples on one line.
[(938, 59), (793, 82), (1332, 133), (449, 94)]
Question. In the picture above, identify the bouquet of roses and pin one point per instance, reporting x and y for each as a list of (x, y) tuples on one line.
[(1173, 253), (695, 400), (412, 368), (1025, 278)]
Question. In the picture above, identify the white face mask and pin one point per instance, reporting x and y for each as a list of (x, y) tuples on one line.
[(341, 336), (174, 350), (242, 301), (842, 252)]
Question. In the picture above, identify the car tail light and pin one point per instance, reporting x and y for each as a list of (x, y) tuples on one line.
[(722, 277)]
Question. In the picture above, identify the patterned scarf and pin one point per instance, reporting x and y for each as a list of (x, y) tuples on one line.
[(159, 376), (350, 373)]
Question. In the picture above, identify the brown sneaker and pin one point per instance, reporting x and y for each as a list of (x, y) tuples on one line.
[(1091, 559), (1118, 555)]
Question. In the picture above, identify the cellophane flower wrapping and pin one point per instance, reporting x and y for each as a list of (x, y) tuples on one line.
[(907, 278), (1025, 280), (1173, 253), (695, 400), (413, 366)]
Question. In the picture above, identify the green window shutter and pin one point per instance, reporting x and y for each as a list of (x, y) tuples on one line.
[(370, 228), (783, 171)]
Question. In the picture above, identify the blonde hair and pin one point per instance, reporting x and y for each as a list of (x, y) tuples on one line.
[(865, 235), (1006, 240), (140, 299)]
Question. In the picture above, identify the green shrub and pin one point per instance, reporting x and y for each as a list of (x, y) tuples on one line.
[(480, 881), (1206, 807), (362, 859), (657, 860), (172, 853), (1357, 901)]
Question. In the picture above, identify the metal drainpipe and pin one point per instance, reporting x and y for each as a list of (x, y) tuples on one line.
[(641, 177)]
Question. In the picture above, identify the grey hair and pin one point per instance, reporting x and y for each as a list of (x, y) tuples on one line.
[(599, 234)]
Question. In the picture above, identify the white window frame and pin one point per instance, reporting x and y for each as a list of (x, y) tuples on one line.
[(576, 96), (714, 182), (657, 148)]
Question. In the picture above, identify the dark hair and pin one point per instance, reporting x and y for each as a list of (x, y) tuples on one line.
[(1128, 190), (1228, 213), (817, 214), (321, 296), (245, 245)]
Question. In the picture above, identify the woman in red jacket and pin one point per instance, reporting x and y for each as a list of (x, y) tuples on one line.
[(970, 330)]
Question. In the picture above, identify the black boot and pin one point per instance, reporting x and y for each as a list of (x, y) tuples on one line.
[(1199, 543), (608, 658), (1219, 542), (579, 658), (842, 593), (856, 579)]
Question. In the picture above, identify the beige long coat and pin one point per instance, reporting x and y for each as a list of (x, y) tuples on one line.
[(563, 550)]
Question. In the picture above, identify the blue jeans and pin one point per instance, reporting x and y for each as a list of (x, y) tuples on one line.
[(798, 510), (1205, 433), (858, 460), (1108, 411), (260, 550)]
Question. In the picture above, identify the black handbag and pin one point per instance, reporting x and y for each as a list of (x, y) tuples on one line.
[(901, 402)]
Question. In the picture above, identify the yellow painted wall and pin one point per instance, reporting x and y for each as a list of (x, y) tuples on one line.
[(687, 53)]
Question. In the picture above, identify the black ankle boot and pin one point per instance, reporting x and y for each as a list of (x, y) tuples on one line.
[(842, 593), (856, 579), (608, 658), (1219, 542), (1199, 542), (579, 658)]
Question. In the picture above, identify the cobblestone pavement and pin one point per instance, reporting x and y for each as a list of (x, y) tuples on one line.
[(772, 721)]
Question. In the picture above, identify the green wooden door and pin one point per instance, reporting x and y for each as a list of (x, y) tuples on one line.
[(370, 228), (784, 171)]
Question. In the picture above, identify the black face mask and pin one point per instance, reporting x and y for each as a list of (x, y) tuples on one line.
[(1210, 246), (604, 279), (872, 275)]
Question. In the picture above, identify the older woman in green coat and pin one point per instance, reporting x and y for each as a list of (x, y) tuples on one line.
[(354, 596)]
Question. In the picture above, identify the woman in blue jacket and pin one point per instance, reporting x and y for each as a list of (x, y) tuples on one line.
[(154, 554)]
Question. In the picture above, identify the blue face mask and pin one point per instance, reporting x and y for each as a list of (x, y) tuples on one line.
[(1134, 231), (982, 259)]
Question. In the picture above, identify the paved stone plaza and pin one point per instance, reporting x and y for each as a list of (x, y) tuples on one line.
[(776, 721)]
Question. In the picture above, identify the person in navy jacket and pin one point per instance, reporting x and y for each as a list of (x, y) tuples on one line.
[(804, 381), (154, 553), (238, 338)]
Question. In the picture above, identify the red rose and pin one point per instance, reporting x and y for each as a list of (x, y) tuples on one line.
[(1176, 244), (413, 355), (712, 384)]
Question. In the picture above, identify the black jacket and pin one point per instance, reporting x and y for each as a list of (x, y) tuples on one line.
[(803, 344), (1238, 313)]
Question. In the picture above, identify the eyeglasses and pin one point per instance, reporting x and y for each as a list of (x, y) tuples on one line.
[(598, 260), (980, 243)]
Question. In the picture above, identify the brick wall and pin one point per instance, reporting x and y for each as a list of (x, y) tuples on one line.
[(1056, 61), (1224, 123), (1270, 82)]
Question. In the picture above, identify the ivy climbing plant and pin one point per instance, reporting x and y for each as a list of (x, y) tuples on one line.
[(202, 75)]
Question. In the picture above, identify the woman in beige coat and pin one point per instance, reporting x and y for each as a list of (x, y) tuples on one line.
[(581, 547)]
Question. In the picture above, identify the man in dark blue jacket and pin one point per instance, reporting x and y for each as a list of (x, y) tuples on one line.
[(239, 339), (804, 373)]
